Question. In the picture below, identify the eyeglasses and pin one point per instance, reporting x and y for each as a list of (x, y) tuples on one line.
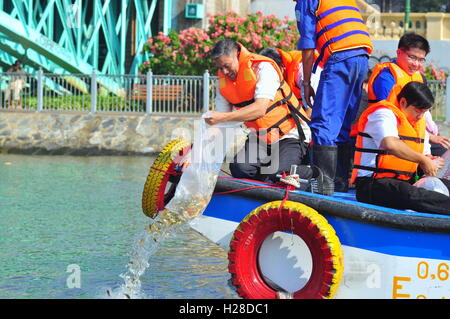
[(413, 58)]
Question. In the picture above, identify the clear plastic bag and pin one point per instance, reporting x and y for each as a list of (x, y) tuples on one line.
[(432, 184), (444, 172), (210, 147)]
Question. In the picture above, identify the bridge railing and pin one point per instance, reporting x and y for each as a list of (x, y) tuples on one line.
[(151, 94)]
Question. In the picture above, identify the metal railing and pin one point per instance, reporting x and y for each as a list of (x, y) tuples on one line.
[(151, 94), (148, 93)]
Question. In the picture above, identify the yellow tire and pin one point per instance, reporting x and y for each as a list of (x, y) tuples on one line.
[(162, 178)]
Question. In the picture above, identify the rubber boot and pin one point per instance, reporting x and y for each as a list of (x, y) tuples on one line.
[(316, 181), (325, 158), (344, 158)]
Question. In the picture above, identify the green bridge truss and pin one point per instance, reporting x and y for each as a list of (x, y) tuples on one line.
[(80, 36)]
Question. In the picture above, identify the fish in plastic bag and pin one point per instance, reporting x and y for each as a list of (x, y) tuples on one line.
[(432, 183), (444, 172), (209, 150)]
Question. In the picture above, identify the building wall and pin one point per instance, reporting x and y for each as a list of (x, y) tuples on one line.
[(179, 22)]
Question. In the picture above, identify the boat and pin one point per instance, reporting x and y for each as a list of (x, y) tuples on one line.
[(286, 243)]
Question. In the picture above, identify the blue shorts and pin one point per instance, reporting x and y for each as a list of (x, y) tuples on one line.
[(337, 100)]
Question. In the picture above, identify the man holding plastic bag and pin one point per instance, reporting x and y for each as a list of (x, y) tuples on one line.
[(391, 145), (251, 90)]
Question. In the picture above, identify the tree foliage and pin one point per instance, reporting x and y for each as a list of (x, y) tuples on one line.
[(187, 52)]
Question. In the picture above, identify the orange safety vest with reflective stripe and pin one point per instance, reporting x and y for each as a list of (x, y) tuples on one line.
[(340, 27), (400, 76), (291, 61), (401, 79), (388, 165), (280, 117)]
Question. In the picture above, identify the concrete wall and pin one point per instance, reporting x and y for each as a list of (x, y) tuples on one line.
[(96, 134), (89, 134)]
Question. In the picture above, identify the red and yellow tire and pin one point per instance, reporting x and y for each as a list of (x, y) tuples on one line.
[(158, 186), (305, 222)]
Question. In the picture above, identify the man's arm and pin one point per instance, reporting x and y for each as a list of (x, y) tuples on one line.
[(265, 92), (251, 112), (306, 24), (398, 148), (308, 61)]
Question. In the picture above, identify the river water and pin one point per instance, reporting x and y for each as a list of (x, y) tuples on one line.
[(69, 225)]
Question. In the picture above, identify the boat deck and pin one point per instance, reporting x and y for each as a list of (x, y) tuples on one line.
[(340, 204)]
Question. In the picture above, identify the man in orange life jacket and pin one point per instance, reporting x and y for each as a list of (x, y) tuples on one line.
[(290, 63), (251, 89), (392, 143), (335, 29), (388, 78)]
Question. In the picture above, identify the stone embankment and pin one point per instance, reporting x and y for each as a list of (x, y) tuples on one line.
[(96, 134), (89, 134)]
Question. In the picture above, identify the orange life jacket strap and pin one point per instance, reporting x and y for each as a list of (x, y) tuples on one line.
[(402, 137), (245, 103), (382, 152), (274, 126), (383, 170)]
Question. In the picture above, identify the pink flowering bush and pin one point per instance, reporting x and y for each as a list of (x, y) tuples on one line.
[(187, 52), (433, 73)]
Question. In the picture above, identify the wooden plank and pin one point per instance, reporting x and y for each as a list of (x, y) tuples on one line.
[(159, 92)]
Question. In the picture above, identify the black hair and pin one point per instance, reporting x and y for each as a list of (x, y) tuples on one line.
[(417, 94), (224, 47), (273, 54), (412, 40)]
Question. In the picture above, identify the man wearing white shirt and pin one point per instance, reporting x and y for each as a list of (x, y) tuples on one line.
[(392, 144), (251, 90)]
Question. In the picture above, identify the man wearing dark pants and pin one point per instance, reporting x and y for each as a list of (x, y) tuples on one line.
[(251, 89), (392, 143)]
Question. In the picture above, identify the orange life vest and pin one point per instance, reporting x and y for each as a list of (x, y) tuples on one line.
[(279, 118), (340, 27), (388, 165), (291, 61), (401, 79)]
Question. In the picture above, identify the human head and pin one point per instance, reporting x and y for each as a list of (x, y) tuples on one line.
[(414, 100), (225, 54), (411, 52), (274, 55)]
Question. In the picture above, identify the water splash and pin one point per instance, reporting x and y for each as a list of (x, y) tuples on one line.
[(165, 225)]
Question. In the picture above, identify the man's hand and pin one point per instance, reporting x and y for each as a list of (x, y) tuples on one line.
[(308, 112), (429, 166), (309, 93), (215, 117), (397, 147), (441, 140)]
